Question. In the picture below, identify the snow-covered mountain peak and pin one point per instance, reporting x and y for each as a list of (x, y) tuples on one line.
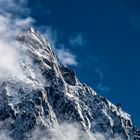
[(51, 94)]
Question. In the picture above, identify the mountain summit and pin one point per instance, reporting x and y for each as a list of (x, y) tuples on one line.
[(51, 94)]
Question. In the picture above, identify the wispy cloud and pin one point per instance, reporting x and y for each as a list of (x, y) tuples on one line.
[(10, 49), (50, 33), (67, 131), (3, 136), (65, 57), (70, 132), (100, 86), (14, 6), (77, 40)]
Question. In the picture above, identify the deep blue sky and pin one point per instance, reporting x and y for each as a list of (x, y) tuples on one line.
[(110, 30)]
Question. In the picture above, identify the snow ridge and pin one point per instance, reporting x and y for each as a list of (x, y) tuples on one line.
[(52, 94)]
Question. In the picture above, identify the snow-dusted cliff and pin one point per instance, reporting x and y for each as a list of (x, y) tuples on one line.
[(50, 94)]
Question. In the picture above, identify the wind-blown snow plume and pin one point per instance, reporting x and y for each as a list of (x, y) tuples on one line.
[(10, 49), (65, 57)]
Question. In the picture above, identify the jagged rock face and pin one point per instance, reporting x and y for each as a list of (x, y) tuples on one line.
[(26, 104)]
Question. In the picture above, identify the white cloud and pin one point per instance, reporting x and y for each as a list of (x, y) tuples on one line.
[(3, 136), (21, 23), (70, 132), (10, 49), (14, 6), (77, 40), (50, 34), (65, 57), (9, 65)]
